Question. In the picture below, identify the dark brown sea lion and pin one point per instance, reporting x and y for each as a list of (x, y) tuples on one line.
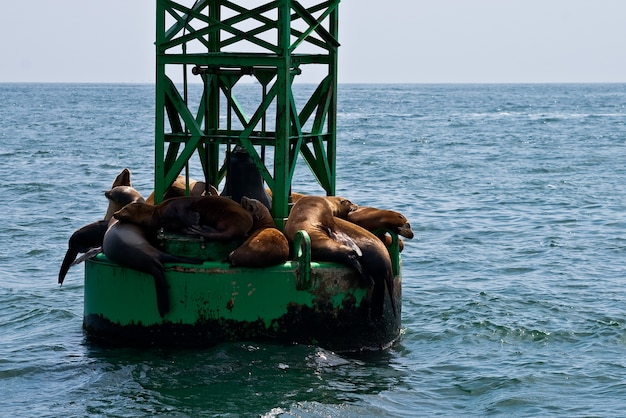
[(127, 245), (88, 239), (376, 264), (243, 178), (179, 189), (83, 240), (266, 245), (314, 214), (213, 217)]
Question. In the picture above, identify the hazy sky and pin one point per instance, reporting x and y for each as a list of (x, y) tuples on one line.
[(401, 41)]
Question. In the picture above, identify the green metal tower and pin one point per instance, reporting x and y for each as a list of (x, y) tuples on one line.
[(215, 60), (217, 44)]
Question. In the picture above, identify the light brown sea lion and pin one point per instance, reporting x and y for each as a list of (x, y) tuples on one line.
[(122, 179), (88, 239), (213, 217), (266, 245), (127, 245), (376, 264), (179, 189), (314, 214), (340, 206), (374, 219), (293, 196)]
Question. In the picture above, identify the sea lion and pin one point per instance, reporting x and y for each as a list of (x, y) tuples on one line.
[(314, 214), (376, 264), (82, 241), (293, 196), (374, 219), (266, 245), (127, 245), (88, 239), (243, 178), (213, 217), (122, 179), (179, 189), (340, 206)]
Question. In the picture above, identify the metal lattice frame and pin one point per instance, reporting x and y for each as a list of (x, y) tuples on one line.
[(220, 42)]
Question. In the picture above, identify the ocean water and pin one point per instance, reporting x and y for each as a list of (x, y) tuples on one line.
[(514, 287)]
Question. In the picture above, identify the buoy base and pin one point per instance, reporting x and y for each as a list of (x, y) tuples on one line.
[(213, 303)]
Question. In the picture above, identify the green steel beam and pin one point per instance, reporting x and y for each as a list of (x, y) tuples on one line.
[(218, 35)]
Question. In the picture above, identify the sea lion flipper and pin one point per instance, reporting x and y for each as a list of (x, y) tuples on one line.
[(203, 230), (82, 240), (162, 293), (356, 264), (190, 218), (70, 255), (171, 258), (122, 179), (345, 239), (92, 252), (389, 284)]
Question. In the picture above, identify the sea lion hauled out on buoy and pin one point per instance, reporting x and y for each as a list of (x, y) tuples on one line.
[(315, 215), (374, 219), (88, 239), (243, 178), (213, 217), (82, 241), (127, 245), (266, 245), (376, 264), (122, 179), (179, 189)]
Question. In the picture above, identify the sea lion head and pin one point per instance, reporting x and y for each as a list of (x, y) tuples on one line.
[(122, 179), (137, 212), (119, 197), (253, 206), (406, 231), (340, 206)]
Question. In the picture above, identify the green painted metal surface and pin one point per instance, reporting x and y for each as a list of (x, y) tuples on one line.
[(220, 44), (213, 290), (297, 302)]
